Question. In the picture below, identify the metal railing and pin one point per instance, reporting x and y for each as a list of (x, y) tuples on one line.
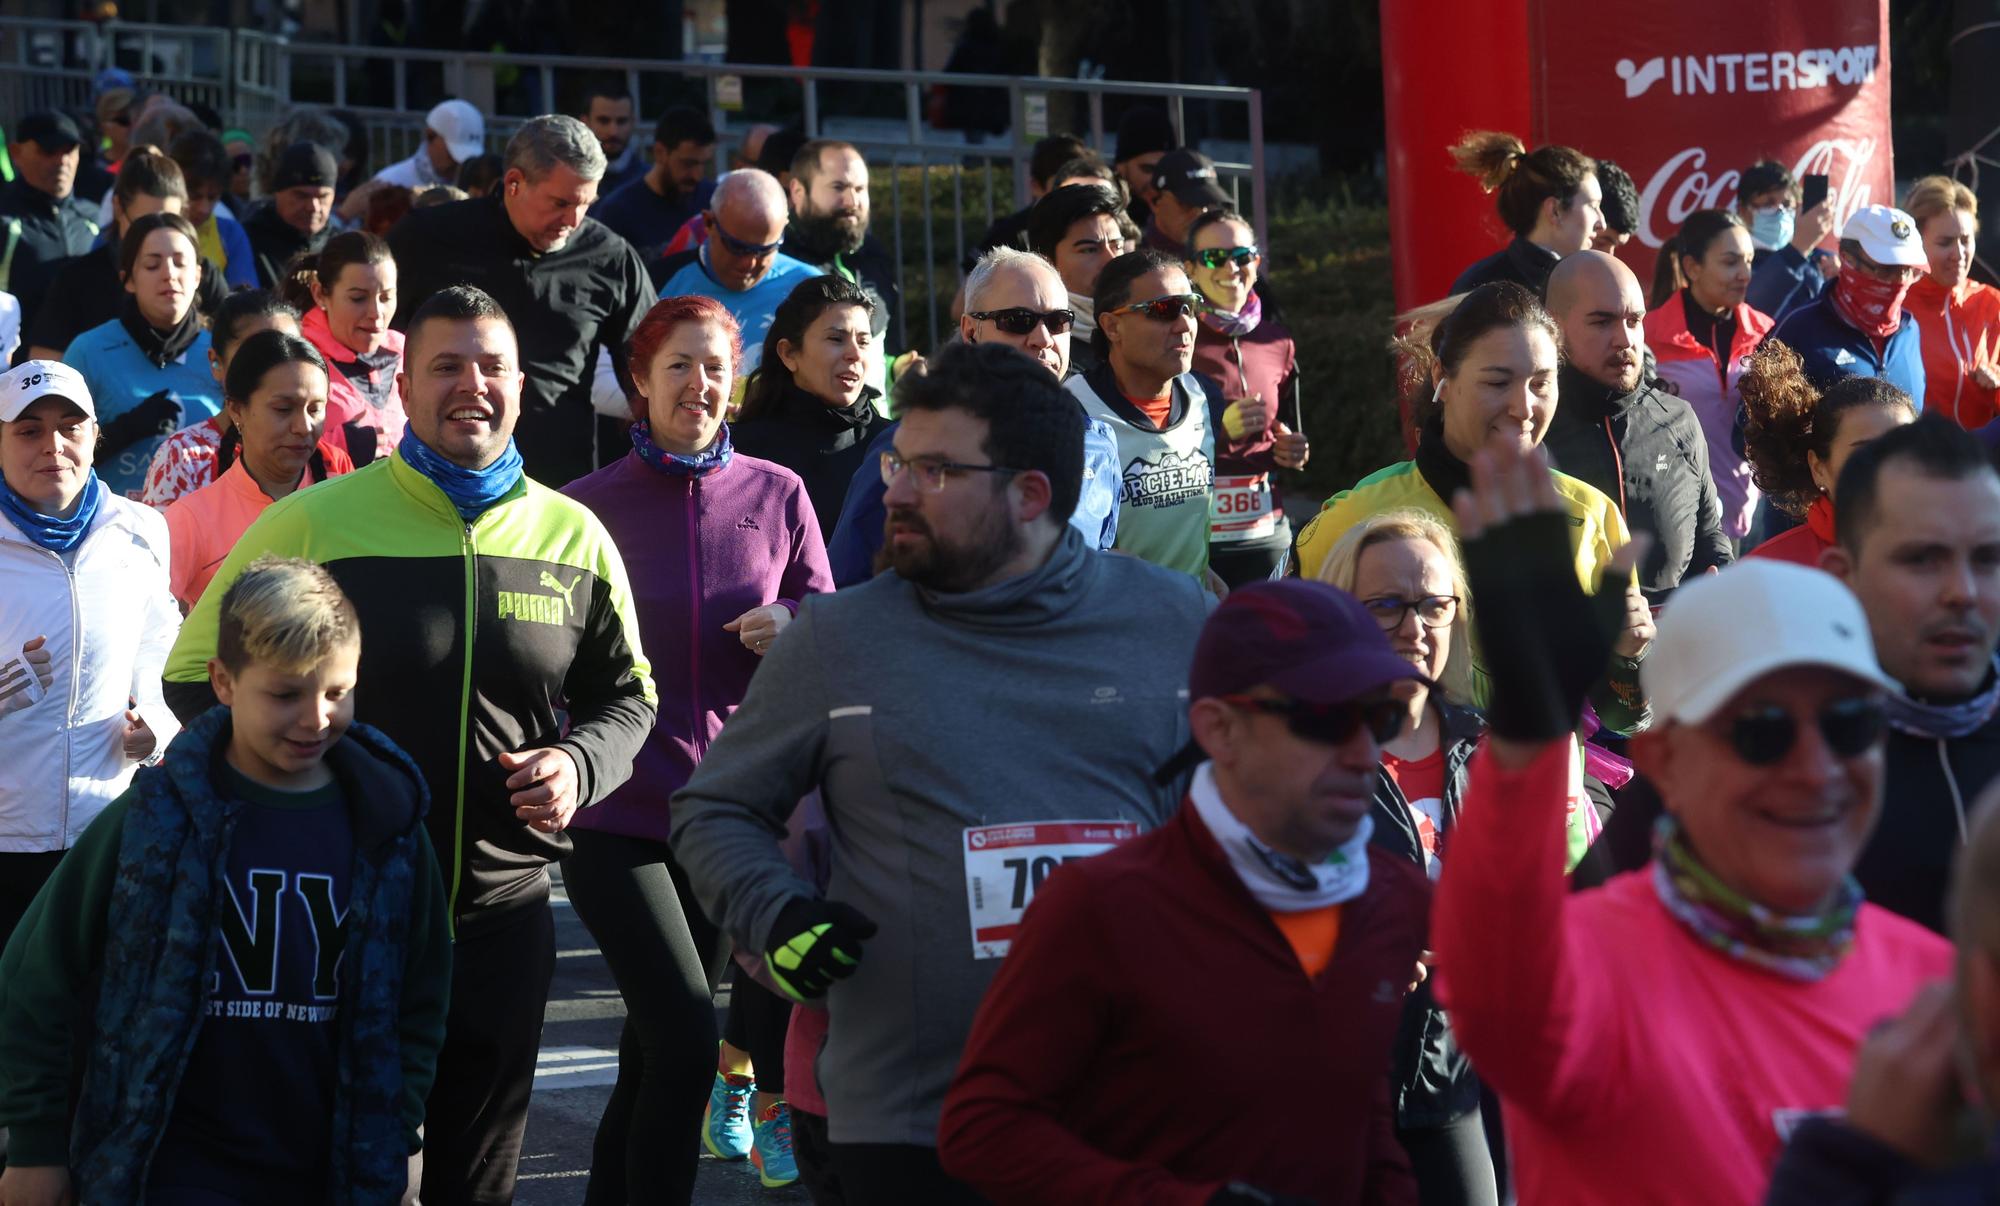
[(253, 79)]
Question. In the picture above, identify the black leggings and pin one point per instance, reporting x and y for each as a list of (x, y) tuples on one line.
[(630, 894), (758, 1020), (1453, 1164)]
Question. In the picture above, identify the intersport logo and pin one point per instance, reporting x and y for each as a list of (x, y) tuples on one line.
[(1683, 184), (1755, 71)]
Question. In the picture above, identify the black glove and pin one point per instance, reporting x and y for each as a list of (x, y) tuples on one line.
[(157, 415), (814, 943), (1236, 1193), (1544, 642)]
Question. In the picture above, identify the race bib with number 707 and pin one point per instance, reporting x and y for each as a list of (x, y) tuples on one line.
[(1005, 864)]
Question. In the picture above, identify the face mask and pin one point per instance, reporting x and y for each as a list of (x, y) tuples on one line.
[(1872, 307), (1771, 229)]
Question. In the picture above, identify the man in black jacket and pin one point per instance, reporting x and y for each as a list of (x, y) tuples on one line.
[(568, 283), (299, 214), (1641, 447), (1920, 547), (41, 221), (829, 230)]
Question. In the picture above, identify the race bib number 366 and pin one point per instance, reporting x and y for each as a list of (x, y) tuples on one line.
[(1005, 864)]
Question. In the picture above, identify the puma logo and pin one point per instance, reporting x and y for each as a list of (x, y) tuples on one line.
[(549, 580)]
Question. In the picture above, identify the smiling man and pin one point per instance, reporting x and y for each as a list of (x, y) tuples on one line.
[(503, 654), (570, 285), (1918, 513)]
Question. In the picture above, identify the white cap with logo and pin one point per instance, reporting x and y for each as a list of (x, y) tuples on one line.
[(33, 380), (461, 126), (1721, 632), (1887, 236)]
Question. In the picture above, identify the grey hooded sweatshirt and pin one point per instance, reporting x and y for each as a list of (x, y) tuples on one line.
[(1051, 696)]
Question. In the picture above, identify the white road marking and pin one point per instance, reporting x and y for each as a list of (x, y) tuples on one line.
[(578, 1067)]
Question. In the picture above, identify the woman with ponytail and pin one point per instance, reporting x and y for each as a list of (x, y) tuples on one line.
[(1702, 332), (1549, 198), (1798, 439)]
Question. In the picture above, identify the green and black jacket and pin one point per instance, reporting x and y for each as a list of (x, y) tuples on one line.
[(513, 632)]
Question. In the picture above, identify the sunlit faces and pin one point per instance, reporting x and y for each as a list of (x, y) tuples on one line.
[(830, 361), (1227, 286), (546, 212), (1572, 225), (281, 423), (1784, 835), (461, 387), (1405, 570), (360, 304), (1156, 348), (1028, 288), (1603, 320), (1720, 279), (958, 537), (1949, 238), (837, 199), (686, 165), (1087, 246), (1854, 428), (1303, 797), (45, 454), (1503, 392), (687, 387), (124, 213), (51, 172), (282, 723), (164, 277), (218, 361)]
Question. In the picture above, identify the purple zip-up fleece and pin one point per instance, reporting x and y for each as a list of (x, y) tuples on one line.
[(700, 551)]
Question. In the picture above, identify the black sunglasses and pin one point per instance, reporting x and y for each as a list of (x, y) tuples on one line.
[(738, 246), (1216, 257), (1332, 724), (1850, 727), (1168, 308), (1019, 320)]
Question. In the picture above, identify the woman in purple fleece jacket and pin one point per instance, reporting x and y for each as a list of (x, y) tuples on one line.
[(719, 548)]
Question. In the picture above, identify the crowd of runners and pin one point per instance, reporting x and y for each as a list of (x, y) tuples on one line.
[(1592, 807)]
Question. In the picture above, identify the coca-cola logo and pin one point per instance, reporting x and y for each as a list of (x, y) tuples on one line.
[(1683, 184)]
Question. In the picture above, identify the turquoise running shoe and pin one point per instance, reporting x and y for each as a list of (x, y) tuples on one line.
[(772, 1151), (725, 1124)]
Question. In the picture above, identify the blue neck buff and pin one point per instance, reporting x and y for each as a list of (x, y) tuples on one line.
[(470, 490), (54, 534), (701, 464)]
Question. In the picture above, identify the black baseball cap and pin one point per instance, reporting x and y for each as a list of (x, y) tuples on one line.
[(1142, 131), (305, 164), (48, 129), (1190, 177)]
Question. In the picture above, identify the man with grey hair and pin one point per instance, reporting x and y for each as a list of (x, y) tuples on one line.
[(1016, 298), (739, 263), (568, 283)]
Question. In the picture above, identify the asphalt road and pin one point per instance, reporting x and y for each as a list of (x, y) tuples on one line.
[(579, 1062)]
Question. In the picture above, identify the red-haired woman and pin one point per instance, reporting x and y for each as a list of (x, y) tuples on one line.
[(720, 547)]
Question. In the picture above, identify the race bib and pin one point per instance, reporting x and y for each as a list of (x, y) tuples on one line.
[(1005, 864), (1243, 509)]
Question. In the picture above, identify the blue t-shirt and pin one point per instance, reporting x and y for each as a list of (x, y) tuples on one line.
[(1830, 349), (857, 537), (253, 1117), (753, 308), (120, 377), (645, 219)]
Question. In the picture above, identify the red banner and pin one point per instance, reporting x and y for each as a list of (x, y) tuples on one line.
[(1684, 95)]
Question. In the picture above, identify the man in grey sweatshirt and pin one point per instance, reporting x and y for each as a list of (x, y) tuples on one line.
[(994, 707)]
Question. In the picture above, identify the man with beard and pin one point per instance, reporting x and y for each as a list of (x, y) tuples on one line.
[(829, 232), (609, 112), (940, 819), (1917, 513), (1635, 443), (569, 284), (650, 209)]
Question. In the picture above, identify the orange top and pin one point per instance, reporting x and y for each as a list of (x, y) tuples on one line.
[(1157, 410), (1313, 935), (1958, 328), (205, 524)]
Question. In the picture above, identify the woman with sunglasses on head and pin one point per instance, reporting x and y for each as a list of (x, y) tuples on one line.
[(809, 406), (721, 547), (1251, 354), (1722, 991)]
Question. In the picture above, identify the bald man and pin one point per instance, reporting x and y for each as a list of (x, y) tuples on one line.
[(739, 263), (1907, 1108), (1639, 445)]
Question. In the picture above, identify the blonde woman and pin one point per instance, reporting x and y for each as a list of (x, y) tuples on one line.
[(1404, 567), (1958, 317)]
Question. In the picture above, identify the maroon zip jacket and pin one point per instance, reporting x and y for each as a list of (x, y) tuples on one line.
[(1152, 1037)]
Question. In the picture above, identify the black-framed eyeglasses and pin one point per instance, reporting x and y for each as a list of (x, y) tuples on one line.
[(1019, 320), (1334, 723), (738, 246), (1433, 611), (1168, 308), (931, 472), (1216, 257), (1850, 728)]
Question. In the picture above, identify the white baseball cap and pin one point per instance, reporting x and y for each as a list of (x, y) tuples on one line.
[(33, 380), (1721, 632), (1887, 236), (461, 127)]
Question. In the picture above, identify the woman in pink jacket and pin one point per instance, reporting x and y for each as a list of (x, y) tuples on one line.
[(354, 297)]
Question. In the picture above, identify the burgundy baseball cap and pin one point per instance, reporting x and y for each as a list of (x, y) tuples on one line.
[(1306, 640)]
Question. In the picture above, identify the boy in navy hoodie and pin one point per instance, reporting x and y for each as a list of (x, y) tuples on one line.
[(249, 948)]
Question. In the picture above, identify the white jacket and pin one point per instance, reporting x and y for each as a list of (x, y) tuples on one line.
[(109, 623)]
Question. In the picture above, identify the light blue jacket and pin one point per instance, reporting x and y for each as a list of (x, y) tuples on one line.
[(120, 377)]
